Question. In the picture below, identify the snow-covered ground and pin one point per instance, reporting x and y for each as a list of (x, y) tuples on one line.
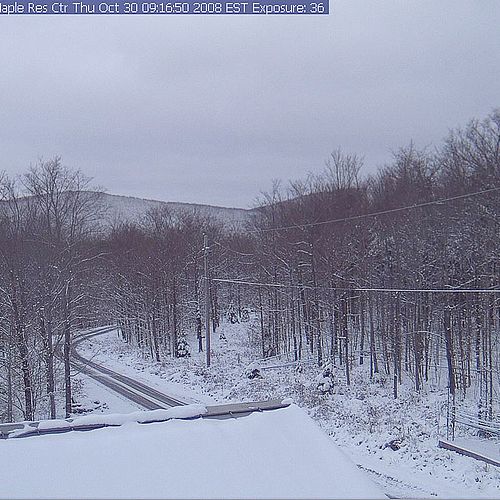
[(362, 419), (93, 397), (258, 456)]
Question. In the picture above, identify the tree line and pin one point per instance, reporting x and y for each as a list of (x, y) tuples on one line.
[(346, 275), (329, 268)]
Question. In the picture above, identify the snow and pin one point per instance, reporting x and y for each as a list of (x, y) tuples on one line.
[(187, 411), (96, 398), (263, 455), (45, 425), (486, 447), (360, 419), (139, 417)]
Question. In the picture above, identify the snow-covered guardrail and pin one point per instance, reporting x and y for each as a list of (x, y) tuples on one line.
[(91, 422), (468, 453)]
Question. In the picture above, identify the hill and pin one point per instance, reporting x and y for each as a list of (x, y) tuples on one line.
[(125, 209), (131, 209)]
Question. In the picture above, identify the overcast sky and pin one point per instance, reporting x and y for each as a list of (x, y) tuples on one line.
[(211, 109)]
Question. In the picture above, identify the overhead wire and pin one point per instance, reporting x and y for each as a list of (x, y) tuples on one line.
[(357, 289), (232, 250), (358, 217)]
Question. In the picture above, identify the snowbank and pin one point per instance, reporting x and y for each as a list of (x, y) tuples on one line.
[(272, 454)]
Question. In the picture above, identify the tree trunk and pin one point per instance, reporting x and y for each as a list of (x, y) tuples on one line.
[(67, 350), (449, 348)]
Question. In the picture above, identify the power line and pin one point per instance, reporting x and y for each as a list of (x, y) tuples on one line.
[(376, 214), (346, 289), (231, 250), (358, 217)]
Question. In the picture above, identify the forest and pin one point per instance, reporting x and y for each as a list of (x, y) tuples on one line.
[(397, 270)]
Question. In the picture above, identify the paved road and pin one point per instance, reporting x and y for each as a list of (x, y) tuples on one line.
[(143, 395)]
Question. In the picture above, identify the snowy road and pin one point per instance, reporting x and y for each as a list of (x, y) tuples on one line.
[(139, 393)]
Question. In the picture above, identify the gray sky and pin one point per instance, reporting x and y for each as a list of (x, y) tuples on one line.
[(211, 109)]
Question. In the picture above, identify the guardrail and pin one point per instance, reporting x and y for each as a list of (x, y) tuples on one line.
[(226, 411), (468, 453)]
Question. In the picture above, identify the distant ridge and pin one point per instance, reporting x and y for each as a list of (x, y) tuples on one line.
[(131, 209), (116, 209)]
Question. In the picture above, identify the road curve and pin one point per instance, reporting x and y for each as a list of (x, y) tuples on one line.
[(139, 393)]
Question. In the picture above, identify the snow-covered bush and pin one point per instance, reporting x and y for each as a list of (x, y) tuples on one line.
[(183, 348), (325, 381)]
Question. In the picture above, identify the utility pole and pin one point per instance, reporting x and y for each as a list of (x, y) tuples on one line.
[(207, 298)]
